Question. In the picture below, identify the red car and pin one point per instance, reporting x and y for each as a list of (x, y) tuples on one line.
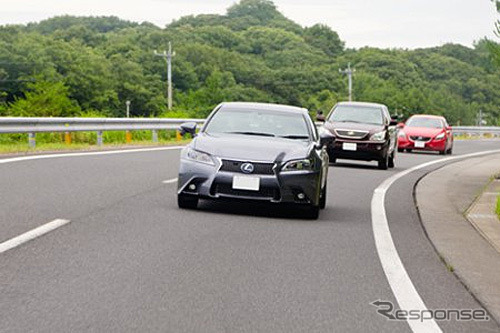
[(425, 132)]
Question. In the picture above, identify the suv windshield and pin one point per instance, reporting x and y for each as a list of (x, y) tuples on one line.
[(357, 114), (259, 123), (424, 122)]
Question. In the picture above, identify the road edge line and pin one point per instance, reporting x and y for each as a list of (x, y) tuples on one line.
[(401, 285)]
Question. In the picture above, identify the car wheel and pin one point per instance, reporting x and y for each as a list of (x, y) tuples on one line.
[(408, 150), (450, 151), (333, 160), (313, 212), (322, 199), (382, 164), (390, 163), (442, 152), (186, 201), (400, 150)]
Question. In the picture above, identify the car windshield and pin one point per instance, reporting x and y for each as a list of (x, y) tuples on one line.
[(424, 122), (357, 114), (259, 123)]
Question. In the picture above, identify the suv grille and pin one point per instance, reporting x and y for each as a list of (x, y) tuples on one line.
[(263, 193), (350, 134), (259, 168)]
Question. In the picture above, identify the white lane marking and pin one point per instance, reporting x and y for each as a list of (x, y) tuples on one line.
[(32, 234), (93, 153), (402, 287), (170, 181)]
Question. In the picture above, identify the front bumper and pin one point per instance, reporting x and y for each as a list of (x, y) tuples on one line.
[(282, 187), (431, 145), (365, 150)]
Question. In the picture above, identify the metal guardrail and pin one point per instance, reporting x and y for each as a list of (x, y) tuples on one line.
[(99, 125), (476, 130)]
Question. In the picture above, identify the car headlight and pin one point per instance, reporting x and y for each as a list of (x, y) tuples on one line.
[(401, 134), (298, 165), (380, 136), (199, 156), (439, 136)]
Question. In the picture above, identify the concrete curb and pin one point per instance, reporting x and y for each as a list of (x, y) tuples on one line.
[(443, 197), (483, 217)]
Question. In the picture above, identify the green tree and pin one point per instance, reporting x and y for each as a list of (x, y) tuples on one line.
[(44, 99)]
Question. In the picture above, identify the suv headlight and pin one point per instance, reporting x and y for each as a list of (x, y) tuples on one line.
[(380, 136), (198, 156), (298, 165), (439, 137)]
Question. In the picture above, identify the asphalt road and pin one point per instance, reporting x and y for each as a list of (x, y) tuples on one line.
[(130, 260)]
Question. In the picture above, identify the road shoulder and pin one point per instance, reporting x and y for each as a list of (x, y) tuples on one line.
[(443, 197)]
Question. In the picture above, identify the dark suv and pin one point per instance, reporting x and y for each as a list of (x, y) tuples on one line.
[(363, 131)]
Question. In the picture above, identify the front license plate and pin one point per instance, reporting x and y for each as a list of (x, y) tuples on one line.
[(419, 144), (349, 146), (246, 183)]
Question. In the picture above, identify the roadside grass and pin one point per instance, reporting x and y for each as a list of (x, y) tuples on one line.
[(18, 143), (498, 207), (474, 137)]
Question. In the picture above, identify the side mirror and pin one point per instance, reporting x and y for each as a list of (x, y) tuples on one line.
[(189, 127), (448, 128), (393, 122), (400, 125), (320, 117)]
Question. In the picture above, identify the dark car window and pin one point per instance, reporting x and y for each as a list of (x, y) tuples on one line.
[(424, 122), (265, 123), (357, 114)]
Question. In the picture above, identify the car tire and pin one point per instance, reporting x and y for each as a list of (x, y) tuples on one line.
[(408, 150), (390, 163), (450, 151), (383, 163), (187, 201), (400, 150), (313, 212), (333, 160), (322, 199), (442, 152)]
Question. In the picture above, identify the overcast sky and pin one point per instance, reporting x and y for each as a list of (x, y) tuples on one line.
[(380, 23)]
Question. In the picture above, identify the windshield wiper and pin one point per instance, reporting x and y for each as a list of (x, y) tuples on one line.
[(252, 133), (297, 137)]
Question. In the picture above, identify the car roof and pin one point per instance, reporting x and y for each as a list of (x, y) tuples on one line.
[(362, 104), (262, 106)]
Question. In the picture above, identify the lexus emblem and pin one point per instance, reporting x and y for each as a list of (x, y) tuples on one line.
[(247, 167)]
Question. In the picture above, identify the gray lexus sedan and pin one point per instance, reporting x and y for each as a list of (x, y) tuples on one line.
[(255, 151)]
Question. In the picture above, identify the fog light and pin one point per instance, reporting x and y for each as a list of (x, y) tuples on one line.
[(301, 196), (192, 187)]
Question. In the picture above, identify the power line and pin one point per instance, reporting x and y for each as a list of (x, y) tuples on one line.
[(349, 71), (168, 57)]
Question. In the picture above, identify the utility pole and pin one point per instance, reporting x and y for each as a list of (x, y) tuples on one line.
[(168, 57), (128, 108), (349, 71)]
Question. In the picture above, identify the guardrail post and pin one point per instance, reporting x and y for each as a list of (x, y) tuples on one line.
[(128, 136), (31, 140), (67, 138), (99, 138), (155, 135)]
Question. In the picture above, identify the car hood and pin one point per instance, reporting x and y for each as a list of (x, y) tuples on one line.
[(252, 148), (371, 128), (422, 131)]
